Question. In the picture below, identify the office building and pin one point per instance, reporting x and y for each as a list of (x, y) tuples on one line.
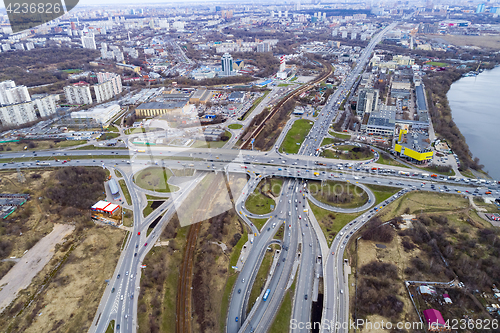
[(480, 8), (367, 101), (17, 114), (78, 94), (227, 65), (88, 42)]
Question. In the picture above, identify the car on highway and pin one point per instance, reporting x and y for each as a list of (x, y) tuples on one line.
[(239, 291), (236, 319)]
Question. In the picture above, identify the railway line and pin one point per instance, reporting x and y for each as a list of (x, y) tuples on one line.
[(275, 109)]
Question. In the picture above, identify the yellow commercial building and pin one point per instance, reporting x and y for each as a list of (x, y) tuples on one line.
[(414, 146)]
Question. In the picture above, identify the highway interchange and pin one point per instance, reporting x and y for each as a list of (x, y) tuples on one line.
[(315, 258)]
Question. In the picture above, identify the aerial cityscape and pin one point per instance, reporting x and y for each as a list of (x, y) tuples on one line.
[(295, 166)]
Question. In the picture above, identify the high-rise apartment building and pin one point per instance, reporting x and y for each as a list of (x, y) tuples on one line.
[(78, 94), (17, 114), (3, 88), (17, 94), (480, 8), (88, 42), (227, 65), (46, 105), (116, 81)]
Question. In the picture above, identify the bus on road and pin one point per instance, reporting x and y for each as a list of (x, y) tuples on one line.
[(266, 295)]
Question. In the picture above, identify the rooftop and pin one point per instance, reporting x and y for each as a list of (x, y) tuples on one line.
[(161, 106)]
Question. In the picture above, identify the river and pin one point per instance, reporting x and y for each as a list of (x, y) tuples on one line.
[(475, 106)]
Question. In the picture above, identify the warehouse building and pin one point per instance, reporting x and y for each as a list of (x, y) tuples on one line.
[(200, 96), (158, 108), (101, 115)]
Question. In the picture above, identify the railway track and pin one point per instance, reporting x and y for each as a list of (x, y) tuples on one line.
[(184, 297), (183, 317), (275, 109)]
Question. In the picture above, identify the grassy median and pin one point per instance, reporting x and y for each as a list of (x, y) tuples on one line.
[(295, 136)]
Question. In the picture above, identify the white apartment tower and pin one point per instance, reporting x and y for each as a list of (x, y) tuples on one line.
[(88, 42), (109, 85), (46, 105), (3, 88), (17, 114), (78, 95), (18, 94)]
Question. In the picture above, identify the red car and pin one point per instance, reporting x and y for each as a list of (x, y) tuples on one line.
[(139, 233), (146, 244)]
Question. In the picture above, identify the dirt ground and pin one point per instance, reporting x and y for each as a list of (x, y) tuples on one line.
[(20, 276), (63, 296), (492, 42), (71, 299)]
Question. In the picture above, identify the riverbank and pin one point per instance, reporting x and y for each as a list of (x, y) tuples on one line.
[(437, 85), (473, 101)]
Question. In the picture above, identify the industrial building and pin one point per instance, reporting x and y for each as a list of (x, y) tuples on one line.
[(414, 145), (200, 96), (113, 186), (422, 111), (381, 122), (100, 114), (158, 108)]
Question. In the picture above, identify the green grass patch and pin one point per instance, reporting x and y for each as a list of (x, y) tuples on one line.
[(108, 136), (382, 192), (338, 194), (437, 171), (387, 159), (155, 179), (231, 280), (329, 141), (281, 323), (259, 223), (435, 63), (260, 279), (235, 126), (111, 327), (331, 222), (468, 174), (112, 129), (152, 197), (118, 174), (125, 191), (294, 79), (257, 202), (233, 261), (128, 217), (296, 136), (284, 84), (347, 152), (149, 208)]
